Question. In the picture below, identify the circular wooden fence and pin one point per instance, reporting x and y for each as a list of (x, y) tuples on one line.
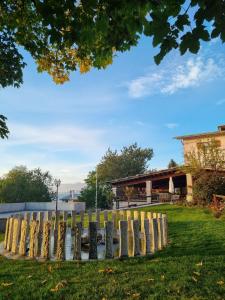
[(40, 235)]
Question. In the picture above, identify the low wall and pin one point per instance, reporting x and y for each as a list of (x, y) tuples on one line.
[(41, 206)]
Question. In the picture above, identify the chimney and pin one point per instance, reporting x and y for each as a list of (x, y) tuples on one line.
[(221, 128)]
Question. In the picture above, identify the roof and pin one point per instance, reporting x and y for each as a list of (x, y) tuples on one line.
[(148, 175), (199, 135)]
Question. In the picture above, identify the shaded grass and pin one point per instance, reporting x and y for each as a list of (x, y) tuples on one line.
[(191, 267)]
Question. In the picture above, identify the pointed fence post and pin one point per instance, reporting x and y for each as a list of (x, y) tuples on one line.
[(46, 240), (136, 215), (65, 216), (40, 218), (6, 233), (160, 234), (77, 241), (23, 238), (143, 221), (114, 220), (109, 239), (149, 215), (165, 229), (123, 245), (16, 235), (105, 214), (154, 235), (98, 218), (33, 238), (129, 217), (60, 252), (136, 240), (82, 218), (73, 221), (10, 234), (147, 237), (93, 240)]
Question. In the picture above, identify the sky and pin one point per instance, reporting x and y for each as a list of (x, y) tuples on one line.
[(66, 129)]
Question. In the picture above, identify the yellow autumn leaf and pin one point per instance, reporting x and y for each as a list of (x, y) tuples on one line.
[(6, 284), (199, 264), (197, 273), (59, 286), (194, 279), (136, 295), (221, 282)]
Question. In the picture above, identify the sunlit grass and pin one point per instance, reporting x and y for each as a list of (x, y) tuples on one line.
[(192, 267)]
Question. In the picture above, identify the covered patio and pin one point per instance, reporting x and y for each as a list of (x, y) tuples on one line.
[(153, 187)]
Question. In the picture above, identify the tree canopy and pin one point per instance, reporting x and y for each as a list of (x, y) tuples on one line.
[(131, 160), (22, 185), (4, 131), (63, 36), (172, 164)]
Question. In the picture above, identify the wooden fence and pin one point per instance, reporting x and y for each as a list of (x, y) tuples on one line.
[(137, 233)]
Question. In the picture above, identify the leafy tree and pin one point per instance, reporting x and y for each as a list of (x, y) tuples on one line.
[(205, 164), (63, 36), (88, 193), (4, 131), (209, 155), (22, 185), (129, 161), (172, 164)]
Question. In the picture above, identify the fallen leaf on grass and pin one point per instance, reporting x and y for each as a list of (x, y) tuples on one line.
[(44, 281), (199, 264), (194, 279), (29, 276), (6, 284), (221, 282), (197, 273), (162, 277), (106, 271), (136, 295), (59, 286), (150, 279)]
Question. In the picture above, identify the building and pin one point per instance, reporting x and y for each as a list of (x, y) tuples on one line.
[(170, 183)]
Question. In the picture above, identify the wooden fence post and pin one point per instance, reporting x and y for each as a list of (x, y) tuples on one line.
[(46, 240), (77, 241), (109, 239), (136, 240), (10, 234), (165, 229), (147, 237), (154, 235), (23, 237), (60, 252), (136, 215), (6, 233), (123, 245), (93, 254), (33, 238), (16, 235)]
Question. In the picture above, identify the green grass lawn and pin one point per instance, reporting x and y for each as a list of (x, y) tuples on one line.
[(192, 267)]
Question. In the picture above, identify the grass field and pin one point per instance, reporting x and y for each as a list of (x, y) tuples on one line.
[(192, 267)]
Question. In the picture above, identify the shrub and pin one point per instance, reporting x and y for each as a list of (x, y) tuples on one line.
[(207, 184)]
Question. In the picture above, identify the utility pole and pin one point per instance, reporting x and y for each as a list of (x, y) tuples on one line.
[(96, 190), (57, 184)]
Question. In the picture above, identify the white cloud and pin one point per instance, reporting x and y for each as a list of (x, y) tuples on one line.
[(220, 102), (59, 138), (171, 125), (170, 79), (68, 152)]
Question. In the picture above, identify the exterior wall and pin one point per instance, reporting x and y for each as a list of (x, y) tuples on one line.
[(39, 206), (191, 144)]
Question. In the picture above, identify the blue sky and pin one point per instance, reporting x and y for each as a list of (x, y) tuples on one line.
[(66, 129)]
